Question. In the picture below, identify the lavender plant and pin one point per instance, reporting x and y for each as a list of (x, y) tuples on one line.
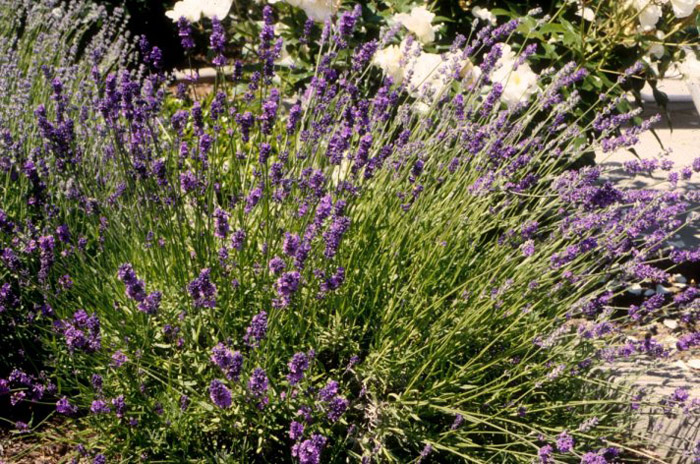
[(376, 270)]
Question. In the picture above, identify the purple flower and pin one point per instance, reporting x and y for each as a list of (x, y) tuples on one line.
[(63, 233), (267, 121), (290, 244), (99, 407), (217, 42), (8, 297), (238, 239), (297, 366), (184, 31), (328, 392), (17, 397), (286, 285), (252, 199), (309, 451), (334, 234), (4, 387), (188, 181), (257, 329), (118, 359), (276, 265), (96, 381), (545, 454), (593, 458), (151, 303), (293, 118), (565, 442), (231, 362), (680, 395), (528, 248), (334, 281), (6, 225), (305, 413), (336, 407), (427, 450), (245, 122), (258, 383), (220, 395), (64, 407), (221, 227), (22, 427), (135, 288), (296, 430), (119, 406), (81, 333), (202, 290)]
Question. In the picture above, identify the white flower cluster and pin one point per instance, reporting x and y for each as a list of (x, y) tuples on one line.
[(425, 71), (194, 10), (650, 11), (318, 10), (518, 84), (428, 73), (419, 21)]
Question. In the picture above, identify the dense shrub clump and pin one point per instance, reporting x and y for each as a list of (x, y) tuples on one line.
[(375, 269)]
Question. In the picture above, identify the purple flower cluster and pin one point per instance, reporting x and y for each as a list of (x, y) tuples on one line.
[(286, 286), (64, 407), (297, 366), (220, 394), (217, 42), (81, 333), (184, 30), (335, 404), (309, 451), (221, 226), (202, 290), (258, 382), (136, 290), (230, 362), (257, 330)]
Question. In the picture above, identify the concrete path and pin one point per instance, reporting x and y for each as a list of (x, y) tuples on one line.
[(672, 435), (679, 142)]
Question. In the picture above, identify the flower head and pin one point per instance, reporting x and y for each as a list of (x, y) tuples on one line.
[(220, 395), (418, 21), (193, 10)]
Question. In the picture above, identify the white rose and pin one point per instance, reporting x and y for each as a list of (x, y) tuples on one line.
[(484, 14), (518, 84), (418, 21), (432, 72), (656, 50), (585, 12), (428, 71), (193, 10), (683, 8), (649, 14), (318, 10), (389, 60), (425, 72)]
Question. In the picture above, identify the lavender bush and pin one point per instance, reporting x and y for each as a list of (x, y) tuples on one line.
[(378, 269)]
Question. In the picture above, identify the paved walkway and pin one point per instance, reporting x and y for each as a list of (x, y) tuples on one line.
[(680, 139), (674, 435)]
